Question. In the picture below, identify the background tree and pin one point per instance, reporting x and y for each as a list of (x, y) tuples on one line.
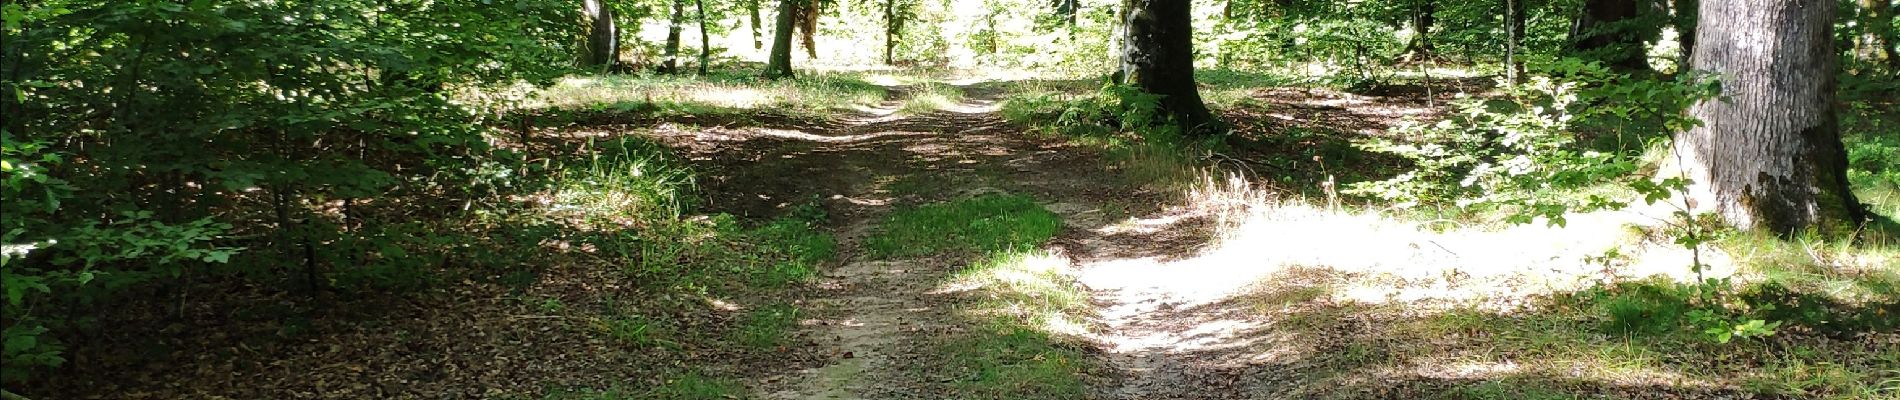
[(752, 7), (1614, 32), (808, 12), (705, 39), (1158, 58), (670, 63), (602, 36), (1424, 17), (1769, 154), (779, 64)]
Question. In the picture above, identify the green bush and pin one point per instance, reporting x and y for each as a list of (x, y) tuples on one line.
[(164, 137)]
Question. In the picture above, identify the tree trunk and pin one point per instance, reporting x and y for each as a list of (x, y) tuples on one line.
[(808, 13), (705, 40), (890, 32), (1514, 40), (1685, 32), (780, 64), (671, 63), (603, 38), (1424, 16), (1769, 154), (1158, 57), (1608, 31), (753, 6)]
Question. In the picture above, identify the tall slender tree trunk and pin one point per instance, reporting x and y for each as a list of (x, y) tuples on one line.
[(1424, 16), (671, 63), (705, 40), (1514, 40), (602, 47), (890, 32), (753, 6), (780, 62), (1769, 152), (1158, 58), (808, 13), (1609, 31)]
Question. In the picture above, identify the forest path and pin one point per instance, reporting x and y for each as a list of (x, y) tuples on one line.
[(878, 319)]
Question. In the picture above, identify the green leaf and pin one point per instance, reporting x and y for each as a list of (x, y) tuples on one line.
[(18, 344)]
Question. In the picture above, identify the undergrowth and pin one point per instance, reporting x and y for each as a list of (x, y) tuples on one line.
[(1021, 300)]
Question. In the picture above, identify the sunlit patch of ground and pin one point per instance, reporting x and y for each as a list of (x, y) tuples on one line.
[(1392, 260), (1298, 300), (813, 94)]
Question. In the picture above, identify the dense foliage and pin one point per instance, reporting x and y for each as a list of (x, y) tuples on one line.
[(149, 142)]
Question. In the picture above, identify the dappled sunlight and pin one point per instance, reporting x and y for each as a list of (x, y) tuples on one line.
[(1388, 260), (1032, 287), (833, 92)]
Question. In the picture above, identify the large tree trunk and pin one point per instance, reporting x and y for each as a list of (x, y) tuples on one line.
[(753, 6), (603, 38), (780, 64), (705, 40), (1769, 154), (1607, 31), (1158, 58), (671, 63)]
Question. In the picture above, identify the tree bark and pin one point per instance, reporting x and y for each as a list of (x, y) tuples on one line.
[(780, 62), (1514, 20), (753, 6), (603, 38), (1158, 57), (1685, 32), (890, 32), (1609, 31), (705, 40), (808, 13), (670, 64), (1769, 152), (1424, 16)]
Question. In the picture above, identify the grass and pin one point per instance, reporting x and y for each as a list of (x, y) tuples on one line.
[(628, 206), (684, 386), (726, 93), (766, 328), (996, 222), (625, 179), (1021, 301), (926, 97)]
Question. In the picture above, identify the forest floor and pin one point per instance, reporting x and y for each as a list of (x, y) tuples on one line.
[(977, 257), (1226, 292)]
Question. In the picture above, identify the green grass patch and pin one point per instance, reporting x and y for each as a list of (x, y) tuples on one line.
[(1006, 361), (930, 96), (696, 386), (1028, 305), (1509, 390), (685, 386), (996, 222), (767, 327), (625, 179), (789, 249)]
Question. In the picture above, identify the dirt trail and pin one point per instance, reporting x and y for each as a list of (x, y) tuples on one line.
[(873, 317)]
